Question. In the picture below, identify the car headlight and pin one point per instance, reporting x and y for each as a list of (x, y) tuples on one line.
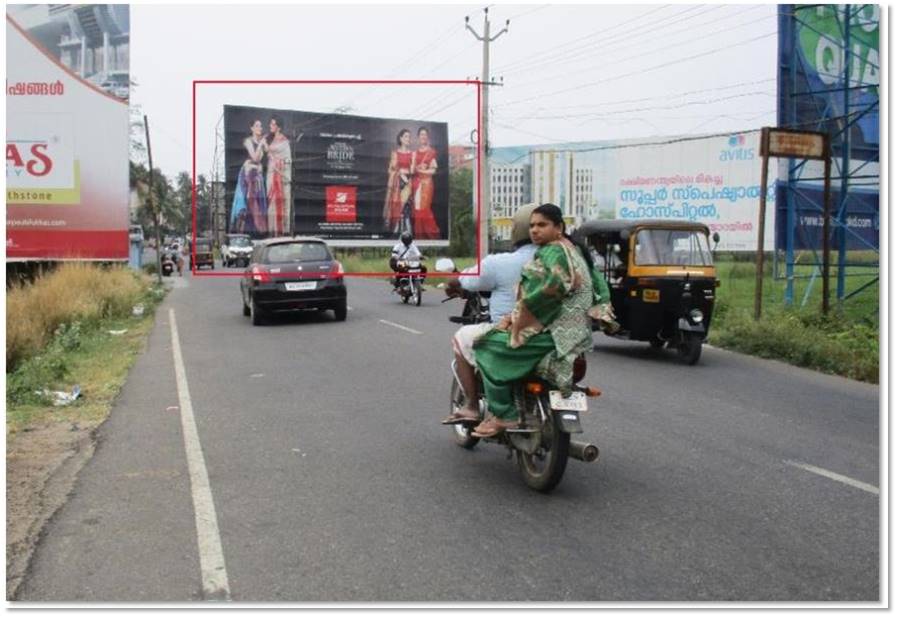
[(696, 315)]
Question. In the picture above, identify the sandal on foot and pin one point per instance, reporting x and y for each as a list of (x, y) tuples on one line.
[(459, 417), (492, 427)]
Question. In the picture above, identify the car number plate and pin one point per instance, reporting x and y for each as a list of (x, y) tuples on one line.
[(575, 402), (303, 286)]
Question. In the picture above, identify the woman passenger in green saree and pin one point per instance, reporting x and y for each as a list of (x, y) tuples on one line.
[(550, 324)]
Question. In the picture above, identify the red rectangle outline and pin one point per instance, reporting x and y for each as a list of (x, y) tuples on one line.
[(476, 82)]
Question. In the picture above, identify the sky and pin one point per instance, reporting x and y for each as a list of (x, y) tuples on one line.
[(568, 72)]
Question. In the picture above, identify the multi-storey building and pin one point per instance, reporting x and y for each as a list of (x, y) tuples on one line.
[(509, 188)]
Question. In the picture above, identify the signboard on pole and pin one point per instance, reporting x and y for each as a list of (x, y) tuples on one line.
[(67, 136), (334, 175)]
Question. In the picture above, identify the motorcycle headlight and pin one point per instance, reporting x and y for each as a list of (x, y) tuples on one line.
[(696, 315)]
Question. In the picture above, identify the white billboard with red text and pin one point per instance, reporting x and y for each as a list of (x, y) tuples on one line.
[(67, 134)]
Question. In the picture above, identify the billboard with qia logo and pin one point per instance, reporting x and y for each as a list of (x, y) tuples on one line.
[(334, 176)]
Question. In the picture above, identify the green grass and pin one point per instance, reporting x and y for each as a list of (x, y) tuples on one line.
[(81, 352), (845, 342)]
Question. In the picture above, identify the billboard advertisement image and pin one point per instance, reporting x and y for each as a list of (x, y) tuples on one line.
[(67, 132), (709, 179), (334, 175)]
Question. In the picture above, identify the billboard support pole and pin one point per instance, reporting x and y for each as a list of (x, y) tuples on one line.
[(826, 230), (758, 288), (149, 152)]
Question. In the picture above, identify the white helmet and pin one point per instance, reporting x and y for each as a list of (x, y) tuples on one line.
[(520, 227)]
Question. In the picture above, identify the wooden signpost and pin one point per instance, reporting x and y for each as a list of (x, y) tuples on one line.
[(787, 143)]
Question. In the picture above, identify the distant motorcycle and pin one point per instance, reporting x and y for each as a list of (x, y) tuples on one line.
[(168, 265), (409, 281), (541, 440)]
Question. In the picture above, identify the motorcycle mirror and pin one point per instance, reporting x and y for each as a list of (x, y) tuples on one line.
[(716, 237), (444, 264)]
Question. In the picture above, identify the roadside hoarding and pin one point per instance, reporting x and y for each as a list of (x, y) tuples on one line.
[(710, 179), (335, 176), (67, 134), (828, 81)]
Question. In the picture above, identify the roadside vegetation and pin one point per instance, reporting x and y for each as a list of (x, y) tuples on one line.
[(844, 342), (75, 324)]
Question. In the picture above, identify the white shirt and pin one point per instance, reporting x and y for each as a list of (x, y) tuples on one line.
[(499, 274), (413, 253)]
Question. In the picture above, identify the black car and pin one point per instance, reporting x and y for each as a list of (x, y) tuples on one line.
[(289, 274)]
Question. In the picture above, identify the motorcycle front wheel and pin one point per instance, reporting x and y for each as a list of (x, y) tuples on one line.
[(461, 432), (544, 469), (418, 292)]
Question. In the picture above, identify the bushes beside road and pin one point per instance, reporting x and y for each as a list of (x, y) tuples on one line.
[(58, 332), (72, 293)]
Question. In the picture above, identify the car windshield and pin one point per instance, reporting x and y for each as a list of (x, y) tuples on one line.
[(296, 251), (241, 241), (667, 247)]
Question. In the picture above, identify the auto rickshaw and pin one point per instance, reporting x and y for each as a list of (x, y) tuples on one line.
[(662, 279)]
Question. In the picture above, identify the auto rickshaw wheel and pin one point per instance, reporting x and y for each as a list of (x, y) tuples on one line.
[(690, 347)]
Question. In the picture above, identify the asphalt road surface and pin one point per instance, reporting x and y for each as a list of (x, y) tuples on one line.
[(329, 477)]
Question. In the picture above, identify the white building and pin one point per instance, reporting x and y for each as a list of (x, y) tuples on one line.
[(556, 179), (508, 188)]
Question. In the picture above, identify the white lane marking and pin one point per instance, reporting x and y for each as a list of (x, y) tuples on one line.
[(831, 475), (211, 556), (395, 325)]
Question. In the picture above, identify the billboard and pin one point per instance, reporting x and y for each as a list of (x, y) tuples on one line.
[(335, 176), (829, 81), (709, 179), (67, 136)]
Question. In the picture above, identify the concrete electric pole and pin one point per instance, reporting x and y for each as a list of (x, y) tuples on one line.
[(483, 137)]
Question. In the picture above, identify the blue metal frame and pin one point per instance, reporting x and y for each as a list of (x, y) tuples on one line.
[(792, 100)]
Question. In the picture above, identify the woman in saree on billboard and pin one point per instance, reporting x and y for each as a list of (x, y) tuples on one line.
[(279, 179), (250, 208), (425, 226), (399, 194)]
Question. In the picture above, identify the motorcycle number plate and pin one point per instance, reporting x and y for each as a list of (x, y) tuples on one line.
[(303, 286), (575, 402), (651, 295)]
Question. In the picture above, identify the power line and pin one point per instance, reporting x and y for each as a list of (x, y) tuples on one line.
[(645, 70), (542, 54), (615, 42), (654, 108), (651, 98), (675, 140), (666, 46)]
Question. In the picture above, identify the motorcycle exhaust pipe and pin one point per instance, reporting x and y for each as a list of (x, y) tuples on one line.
[(582, 451)]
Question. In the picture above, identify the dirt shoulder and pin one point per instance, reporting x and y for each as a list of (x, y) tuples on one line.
[(46, 447), (42, 463)]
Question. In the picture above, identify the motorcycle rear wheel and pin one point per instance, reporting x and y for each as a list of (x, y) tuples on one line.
[(461, 432), (543, 470)]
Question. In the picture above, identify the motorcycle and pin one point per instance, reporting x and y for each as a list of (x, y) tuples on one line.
[(167, 265), (542, 439), (409, 281)]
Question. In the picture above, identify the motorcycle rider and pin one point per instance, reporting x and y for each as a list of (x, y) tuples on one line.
[(499, 274), (405, 250), (559, 265)]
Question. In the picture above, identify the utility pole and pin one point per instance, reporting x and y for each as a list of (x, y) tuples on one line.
[(483, 137), (149, 152)]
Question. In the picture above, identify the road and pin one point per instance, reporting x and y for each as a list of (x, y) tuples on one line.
[(331, 479)]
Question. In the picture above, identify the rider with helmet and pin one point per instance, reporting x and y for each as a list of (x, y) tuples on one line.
[(499, 274), (405, 250)]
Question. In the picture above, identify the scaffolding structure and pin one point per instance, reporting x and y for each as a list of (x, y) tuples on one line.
[(828, 82)]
